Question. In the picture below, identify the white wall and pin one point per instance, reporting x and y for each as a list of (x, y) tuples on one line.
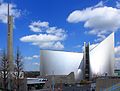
[(59, 62), (102, 57)]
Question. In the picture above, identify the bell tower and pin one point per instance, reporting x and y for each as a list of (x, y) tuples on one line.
[(10, 39)]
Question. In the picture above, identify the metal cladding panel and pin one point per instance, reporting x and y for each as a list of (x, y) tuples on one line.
[(60, 63), (102, 58)]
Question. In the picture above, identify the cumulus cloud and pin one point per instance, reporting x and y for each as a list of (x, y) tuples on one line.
[(99, 19), (41, 38), (44, 41), (48, 37), (3, 11)]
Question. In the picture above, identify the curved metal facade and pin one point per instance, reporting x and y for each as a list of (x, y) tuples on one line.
[(102, 58), (63, 63), (60, 63)]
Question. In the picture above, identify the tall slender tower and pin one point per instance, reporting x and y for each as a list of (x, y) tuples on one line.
[(10, 40), (86, 62)]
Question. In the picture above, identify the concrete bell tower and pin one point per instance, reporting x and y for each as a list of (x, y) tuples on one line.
[(10, 40)]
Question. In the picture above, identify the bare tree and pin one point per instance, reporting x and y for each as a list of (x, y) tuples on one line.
[(18, 71), (4, 71)]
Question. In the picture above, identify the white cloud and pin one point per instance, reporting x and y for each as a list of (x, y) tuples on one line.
[(36, 26), (117, 51), (49, 37), (100, 37), (36, 56), (56, 31), (3, 11), (41, 38), (58, 45), (31, 57), (44, 27), (117, 63), (78, 46), (45, 41), (117, 57), (101, 20), (28, 58), (37, 64), (50, 45)]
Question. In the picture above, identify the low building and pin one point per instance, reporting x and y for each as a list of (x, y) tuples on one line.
[(117, 72), (58, 80), (35, 83)]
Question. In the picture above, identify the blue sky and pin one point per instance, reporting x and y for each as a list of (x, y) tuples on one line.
[(59, 25)]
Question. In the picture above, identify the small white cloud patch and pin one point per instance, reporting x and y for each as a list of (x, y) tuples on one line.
[(117, 57), (3, 11), (37, 64), (31, 57), (117, 51), (36, 26)]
